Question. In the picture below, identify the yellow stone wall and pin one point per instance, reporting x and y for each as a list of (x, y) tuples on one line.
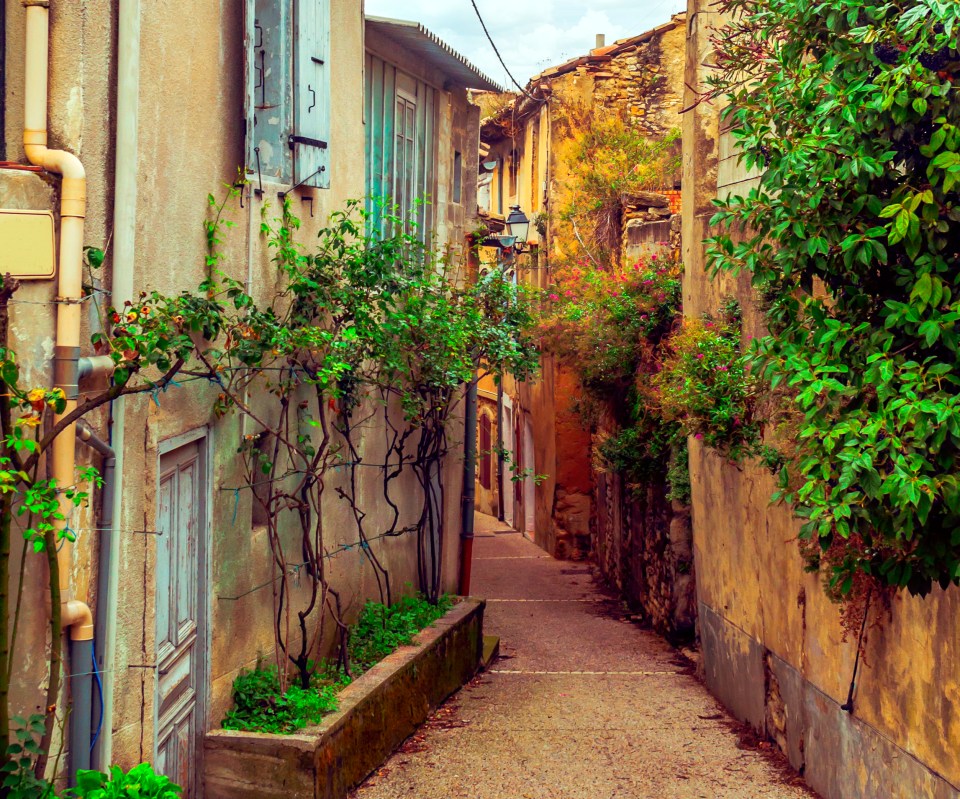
[(767, 623)]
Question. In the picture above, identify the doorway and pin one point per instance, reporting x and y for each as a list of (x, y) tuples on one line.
[(181, 607)]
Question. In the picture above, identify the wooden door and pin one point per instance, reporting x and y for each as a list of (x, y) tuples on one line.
[(181, 622), (529, 479)]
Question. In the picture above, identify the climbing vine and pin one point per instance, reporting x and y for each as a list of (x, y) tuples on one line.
[(368, 326), (360, 326), (849, 112)]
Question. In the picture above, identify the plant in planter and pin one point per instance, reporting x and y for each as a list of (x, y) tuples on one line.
[(141, 782), (367, 325), (262, 705)]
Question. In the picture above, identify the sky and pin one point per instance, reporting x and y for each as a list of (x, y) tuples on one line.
[(530, 34)]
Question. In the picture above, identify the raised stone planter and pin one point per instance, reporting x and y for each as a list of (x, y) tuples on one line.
[(377, 713)]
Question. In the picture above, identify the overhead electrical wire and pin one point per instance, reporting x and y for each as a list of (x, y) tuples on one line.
[(483, 25)]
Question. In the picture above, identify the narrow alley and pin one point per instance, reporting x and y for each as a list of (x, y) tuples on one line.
[(582, 704)]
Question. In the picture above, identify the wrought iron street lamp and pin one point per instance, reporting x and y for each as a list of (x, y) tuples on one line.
[(519, 228)]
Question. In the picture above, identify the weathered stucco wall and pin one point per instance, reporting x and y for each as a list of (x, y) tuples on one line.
[(773, 647), (190, 144)]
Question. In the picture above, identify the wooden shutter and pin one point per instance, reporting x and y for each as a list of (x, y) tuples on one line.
[(272, 99), (311, 119), (249, 82)]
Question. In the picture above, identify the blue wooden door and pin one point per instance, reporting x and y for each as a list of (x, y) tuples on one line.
[(180, 607)]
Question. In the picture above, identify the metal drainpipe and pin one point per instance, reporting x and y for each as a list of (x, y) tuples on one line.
[(500, 461), (468, 502), (84, 724), (121, 289)]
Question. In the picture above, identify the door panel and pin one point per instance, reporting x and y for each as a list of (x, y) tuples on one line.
[(181, 522), (529, 480)]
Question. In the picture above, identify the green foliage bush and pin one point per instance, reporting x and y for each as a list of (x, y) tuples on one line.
[(706, 387), (141, 782), (849, 111), (381, 629), (259, 704), (611, 328)]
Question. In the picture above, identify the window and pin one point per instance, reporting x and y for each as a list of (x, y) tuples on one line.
[(288, 91), (457, 177), (400, 142)]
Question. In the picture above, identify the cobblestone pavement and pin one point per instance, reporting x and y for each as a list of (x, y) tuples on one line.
[(583, 704)]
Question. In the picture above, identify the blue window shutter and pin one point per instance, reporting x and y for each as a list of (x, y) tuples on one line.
[(311, 119), (249, 82), (272, 101)]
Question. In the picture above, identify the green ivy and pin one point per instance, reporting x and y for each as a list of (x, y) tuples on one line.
[(849, 112)]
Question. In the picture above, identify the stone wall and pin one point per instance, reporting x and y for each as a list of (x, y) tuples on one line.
[(643, 76), (643, 545)]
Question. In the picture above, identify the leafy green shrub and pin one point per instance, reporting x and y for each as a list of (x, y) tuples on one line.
[(141, 782), (650, 449), (849, 112), (260, 706), (612, 161), (381, 629), (706, 387), (610, 328), (19, 779), (606, 325)]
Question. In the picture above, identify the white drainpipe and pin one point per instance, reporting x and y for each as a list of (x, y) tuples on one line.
[(75, 614)]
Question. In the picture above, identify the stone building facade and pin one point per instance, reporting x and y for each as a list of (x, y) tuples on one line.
[(528, 144)]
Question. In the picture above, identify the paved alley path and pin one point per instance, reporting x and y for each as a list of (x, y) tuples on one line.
[(581, 705)]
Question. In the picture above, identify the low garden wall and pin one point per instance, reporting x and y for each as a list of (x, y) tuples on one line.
[(377, 713), (643, 545)]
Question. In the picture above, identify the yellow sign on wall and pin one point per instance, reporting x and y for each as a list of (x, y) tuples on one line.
[(27, 244)]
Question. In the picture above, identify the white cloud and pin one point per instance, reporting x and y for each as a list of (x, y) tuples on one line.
[(530, 34)]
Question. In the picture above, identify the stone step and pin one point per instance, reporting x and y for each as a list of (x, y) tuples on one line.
[(491, 651)]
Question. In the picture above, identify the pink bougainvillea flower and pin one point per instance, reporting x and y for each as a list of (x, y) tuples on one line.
[(722, 369), (699, 356), (699, 436), (709, 324), (648, 281), (554, 297)]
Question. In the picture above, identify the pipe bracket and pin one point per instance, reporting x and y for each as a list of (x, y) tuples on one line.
[(34, 137), (66, 370)]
